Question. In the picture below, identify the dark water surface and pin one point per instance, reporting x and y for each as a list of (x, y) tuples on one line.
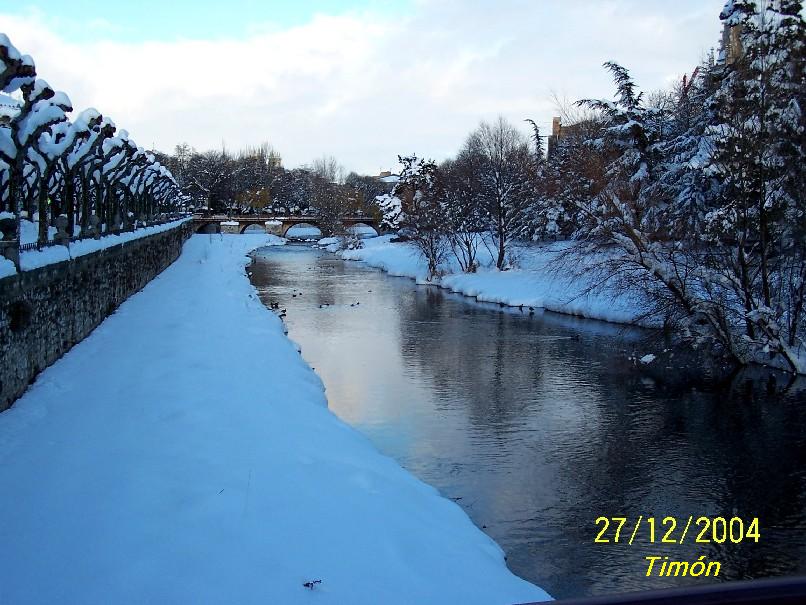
[(537, 425)]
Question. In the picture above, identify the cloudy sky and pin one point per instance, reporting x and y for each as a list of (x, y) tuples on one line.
[(363, 80)]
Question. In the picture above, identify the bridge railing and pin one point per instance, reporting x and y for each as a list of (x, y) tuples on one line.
[(286, 217)]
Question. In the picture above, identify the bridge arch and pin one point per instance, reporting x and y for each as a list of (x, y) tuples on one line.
[(301, 224), (209, 227), (362, 229), (276, 224), (253, 228)]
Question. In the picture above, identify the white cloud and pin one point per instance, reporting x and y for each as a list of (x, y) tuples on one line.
[(363, 87)]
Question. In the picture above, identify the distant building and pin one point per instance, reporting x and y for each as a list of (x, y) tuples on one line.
[(559, 131), (731, 50), (386, 182), (386, 176)]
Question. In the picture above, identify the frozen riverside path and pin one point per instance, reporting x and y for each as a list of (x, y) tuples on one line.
[(183, 453)]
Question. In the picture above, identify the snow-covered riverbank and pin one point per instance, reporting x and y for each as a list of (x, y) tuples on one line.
[(535, 283), (540, 281), (183, 452)]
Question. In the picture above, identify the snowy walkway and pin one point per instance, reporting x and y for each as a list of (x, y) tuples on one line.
[(183, 453)]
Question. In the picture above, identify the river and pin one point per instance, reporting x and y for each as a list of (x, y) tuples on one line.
[(538, 424)]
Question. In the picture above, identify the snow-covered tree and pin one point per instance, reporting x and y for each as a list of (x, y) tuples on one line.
[(505, 164), (422, 216), (210, 179), (758, 216), (571, 176), (702, 199), (629, 218), (51, 166), (465, 214), (391, 210)]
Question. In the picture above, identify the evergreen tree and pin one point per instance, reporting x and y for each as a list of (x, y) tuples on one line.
[(758, 156)]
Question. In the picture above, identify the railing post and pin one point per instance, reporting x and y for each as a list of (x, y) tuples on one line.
[(10, 249), (10, 238), (62, 238), (94, 227)]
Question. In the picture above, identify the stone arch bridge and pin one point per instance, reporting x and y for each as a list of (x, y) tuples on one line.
[(274, 224)]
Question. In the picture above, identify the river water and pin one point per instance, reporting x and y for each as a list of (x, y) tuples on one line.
[(538, 424)]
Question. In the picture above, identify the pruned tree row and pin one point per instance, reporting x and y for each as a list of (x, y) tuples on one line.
[(69, 175)]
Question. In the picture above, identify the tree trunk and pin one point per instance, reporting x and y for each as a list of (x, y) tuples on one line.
[(70, 203), (765, 276), (747, 294), (42, 206)]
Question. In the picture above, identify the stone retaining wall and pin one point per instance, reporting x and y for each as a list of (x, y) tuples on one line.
[(44, 312)]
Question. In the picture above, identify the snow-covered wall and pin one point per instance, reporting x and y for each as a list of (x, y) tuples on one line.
[(46, 310)]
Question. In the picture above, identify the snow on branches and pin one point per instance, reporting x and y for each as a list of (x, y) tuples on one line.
[(50, 166)]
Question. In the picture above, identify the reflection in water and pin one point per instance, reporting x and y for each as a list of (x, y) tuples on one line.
[(538, 424)]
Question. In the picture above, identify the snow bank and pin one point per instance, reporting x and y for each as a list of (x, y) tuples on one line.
[(184, 453), (396, 259), (331, 244), (32, 259), (536, 283), (6, 267), (29, 231)]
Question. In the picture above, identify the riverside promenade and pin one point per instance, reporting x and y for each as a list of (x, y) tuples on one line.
[(184, 452)]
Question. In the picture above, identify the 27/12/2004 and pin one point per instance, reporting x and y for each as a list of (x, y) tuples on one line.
[(671, 531)]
